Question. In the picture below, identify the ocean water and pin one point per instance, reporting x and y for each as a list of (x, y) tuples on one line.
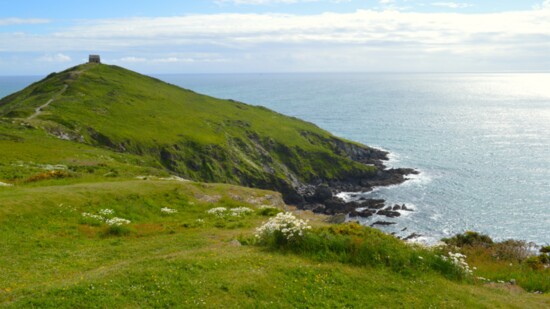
[(481, 141)]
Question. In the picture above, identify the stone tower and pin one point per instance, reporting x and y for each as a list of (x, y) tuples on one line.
[(94, 59)]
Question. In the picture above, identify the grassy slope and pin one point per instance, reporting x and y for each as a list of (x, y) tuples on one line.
[(171, 260), (197, 136)]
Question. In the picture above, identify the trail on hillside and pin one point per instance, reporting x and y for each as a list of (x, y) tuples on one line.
[(39, 109)]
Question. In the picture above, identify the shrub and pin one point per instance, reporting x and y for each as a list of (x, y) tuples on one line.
[(511, 250), (268, 211), (117, 230), (469, 238)]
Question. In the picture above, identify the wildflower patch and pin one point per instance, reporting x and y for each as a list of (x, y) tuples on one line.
[(105, 216), (283, 224), (166, 210)]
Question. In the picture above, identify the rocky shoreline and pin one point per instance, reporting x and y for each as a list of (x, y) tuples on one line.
[(323, 197)]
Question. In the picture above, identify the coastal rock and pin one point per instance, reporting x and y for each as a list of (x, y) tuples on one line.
[(412, 236), (388, 213), (403, 207), (384, 223), (363, 213), (373, 204), (322, 193)]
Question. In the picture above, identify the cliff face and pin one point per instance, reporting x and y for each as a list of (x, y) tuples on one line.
[(192, 135)]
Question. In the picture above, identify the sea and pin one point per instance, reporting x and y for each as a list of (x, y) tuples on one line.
[(480, 141)]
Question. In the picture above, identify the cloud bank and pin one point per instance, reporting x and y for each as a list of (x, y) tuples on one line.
[(365, 40)]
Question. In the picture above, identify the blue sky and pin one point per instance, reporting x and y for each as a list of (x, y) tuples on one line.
[(222, 36)]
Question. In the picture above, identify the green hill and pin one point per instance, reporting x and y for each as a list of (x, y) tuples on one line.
[(192, 135)]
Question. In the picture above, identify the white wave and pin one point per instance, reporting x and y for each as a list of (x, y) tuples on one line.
[(422, 178)]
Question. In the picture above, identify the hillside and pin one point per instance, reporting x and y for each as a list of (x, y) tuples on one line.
[(194, 136)]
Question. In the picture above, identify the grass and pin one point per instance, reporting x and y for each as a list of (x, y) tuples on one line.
[(57, 260)]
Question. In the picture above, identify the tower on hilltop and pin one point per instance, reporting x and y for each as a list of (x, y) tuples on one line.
[(94, 59)]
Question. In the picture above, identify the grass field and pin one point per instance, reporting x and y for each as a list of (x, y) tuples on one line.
[(53, 257)]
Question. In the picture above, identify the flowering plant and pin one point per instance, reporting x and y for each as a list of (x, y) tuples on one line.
[(285, 225), (218, 211), (239, 211), (167, 210), (104, 215), (459, 260), (116, 221)]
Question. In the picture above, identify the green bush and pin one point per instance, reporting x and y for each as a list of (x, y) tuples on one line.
[(117, 230), (469, 238), (268, 211)]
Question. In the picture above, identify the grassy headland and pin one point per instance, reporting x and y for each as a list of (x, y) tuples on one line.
[(69, 172)]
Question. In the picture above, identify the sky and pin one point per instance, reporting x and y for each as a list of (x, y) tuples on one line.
[(262, 36)]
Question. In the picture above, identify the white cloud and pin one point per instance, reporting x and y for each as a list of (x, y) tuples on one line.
[(132, 59), (55, 58), (362, 40), (452, 5), (22, 21)]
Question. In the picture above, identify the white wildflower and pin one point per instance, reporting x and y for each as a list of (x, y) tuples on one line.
[(285, 223), (459, 260), (239, 211), (167, 210), (200, 221), (93, 216), (218, 211), (117, 221), (106, 212)]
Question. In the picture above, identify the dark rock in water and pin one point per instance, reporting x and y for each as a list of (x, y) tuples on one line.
[(373, 204), (396, 207), (363, 213), (388, 213), (404, 229), (403, 207), (337, 206), (385, 223), (412, 236)]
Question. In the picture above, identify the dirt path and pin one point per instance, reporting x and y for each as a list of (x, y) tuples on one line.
[(39, 109)]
